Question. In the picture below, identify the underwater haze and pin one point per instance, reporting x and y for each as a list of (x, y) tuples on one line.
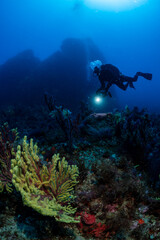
[(125, 35), (79, 119)]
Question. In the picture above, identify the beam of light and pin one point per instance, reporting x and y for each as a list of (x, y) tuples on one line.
[(114, 5)]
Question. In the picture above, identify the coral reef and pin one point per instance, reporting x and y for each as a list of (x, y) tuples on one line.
[(115, 157), (7, 141), (63, 117)]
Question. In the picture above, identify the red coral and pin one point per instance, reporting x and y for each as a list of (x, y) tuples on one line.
[(88, 219), (98, 230), (88, 225), (140, 221)]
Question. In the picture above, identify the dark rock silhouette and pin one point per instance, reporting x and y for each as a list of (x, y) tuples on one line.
[(65, 74), (17, 77)]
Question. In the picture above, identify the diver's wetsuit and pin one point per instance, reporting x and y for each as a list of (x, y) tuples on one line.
[(111, 74)]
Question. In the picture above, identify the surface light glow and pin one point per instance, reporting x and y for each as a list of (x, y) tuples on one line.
[(114, 5)]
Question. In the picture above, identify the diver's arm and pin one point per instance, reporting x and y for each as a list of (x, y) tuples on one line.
[(102, 86), (108, 86)]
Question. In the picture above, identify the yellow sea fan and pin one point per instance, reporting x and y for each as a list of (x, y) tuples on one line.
[(46, 188)]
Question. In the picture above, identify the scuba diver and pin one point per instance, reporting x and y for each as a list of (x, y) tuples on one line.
[(110, 74)]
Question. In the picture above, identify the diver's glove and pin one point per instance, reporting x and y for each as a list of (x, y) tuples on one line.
[(109, 94), (103, 93), (100, 90)]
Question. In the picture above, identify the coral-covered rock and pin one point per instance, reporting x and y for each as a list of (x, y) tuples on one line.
[(96, 205), (88, 219)]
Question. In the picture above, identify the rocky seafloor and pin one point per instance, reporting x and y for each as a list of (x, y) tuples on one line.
[(118, 157)]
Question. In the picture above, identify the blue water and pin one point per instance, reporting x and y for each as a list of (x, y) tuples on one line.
[(47, 92), (128, 39)]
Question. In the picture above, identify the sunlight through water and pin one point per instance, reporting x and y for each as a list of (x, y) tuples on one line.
[(114, 5)]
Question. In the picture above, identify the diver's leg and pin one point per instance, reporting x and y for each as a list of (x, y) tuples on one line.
[(124, 78), (122, 86), (129, 80)]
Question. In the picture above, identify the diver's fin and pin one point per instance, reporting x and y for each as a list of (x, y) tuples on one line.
[(147, 76)]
